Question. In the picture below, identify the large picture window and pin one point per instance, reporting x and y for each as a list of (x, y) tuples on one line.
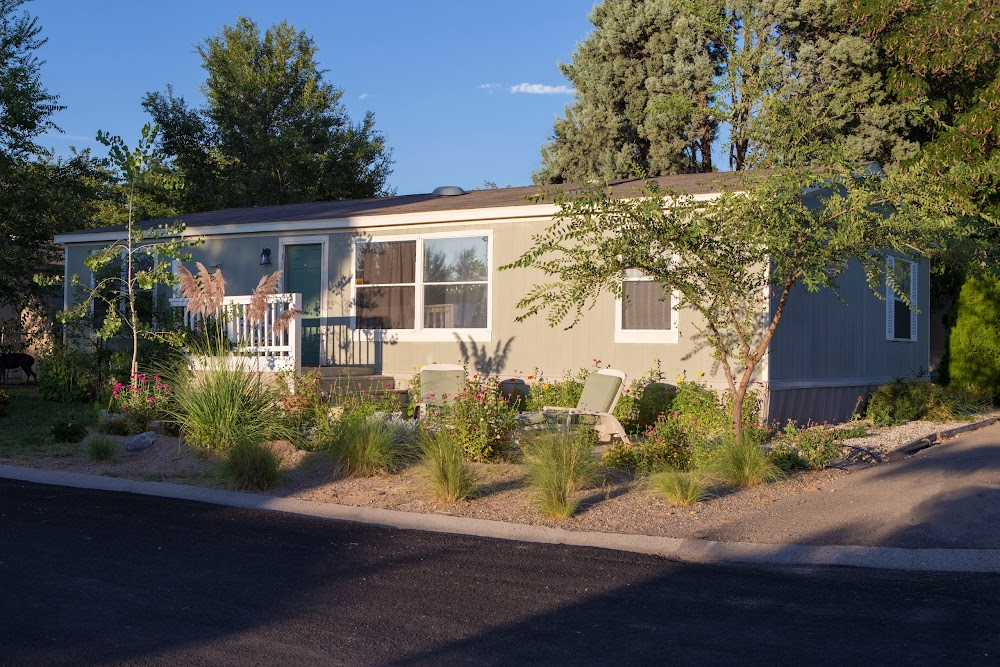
[(645, 313), (425, 283), (901, 319)]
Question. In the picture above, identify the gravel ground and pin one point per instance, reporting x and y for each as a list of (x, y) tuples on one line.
[(616, 504)]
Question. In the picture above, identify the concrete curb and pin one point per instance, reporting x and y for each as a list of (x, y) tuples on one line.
[(691, 550), (931, 439)]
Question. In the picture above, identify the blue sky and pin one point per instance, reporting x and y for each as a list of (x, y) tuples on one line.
[(464, 91)]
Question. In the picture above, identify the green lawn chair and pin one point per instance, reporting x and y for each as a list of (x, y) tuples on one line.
[(600, 395)]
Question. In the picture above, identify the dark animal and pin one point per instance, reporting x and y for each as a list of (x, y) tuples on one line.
[(18, 360)]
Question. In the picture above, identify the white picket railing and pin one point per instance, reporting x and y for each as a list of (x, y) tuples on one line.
[(257, 342)]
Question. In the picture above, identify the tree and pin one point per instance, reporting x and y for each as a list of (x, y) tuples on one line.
[(142, 260), (273, 131), (722, 256), (658, 80)]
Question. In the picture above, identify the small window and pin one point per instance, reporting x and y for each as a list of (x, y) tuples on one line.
[(900, 318), (645, 313)]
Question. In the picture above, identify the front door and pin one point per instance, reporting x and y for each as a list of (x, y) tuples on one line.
[(303, 273)]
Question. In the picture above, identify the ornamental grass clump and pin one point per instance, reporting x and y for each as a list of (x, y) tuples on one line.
[(678, 487), (251, 466), (225, 405), (450, 475), (560, 464), (743, 463), (370, 446), (101, 449)]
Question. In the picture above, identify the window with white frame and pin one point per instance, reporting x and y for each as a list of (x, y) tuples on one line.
[(900, 318), (645, 313), (110, 283), (427, 282)]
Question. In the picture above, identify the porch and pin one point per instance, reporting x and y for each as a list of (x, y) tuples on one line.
[(346, 359)]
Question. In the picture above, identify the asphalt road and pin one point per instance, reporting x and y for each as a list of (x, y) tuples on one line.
[(93, 577)]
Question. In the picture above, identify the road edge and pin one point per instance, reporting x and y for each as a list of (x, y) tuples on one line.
[(689, 550)]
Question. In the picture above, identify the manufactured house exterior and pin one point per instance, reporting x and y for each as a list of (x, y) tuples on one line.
[(394, 283)]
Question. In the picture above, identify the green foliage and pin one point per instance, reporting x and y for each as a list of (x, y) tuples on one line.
[(562, 393), (141, 401), (678, 487), (810, 446), (66, 374), (371, 446), (698, 410), (907, 400), (27, 428), (666, 444), (273, 130), (251, 466), (101, 449), (4, 400), (644, 400), (116, 425), (657, 79), (852, 430), (974, 342), (451, 477), (481, 420), (743, 463), (559, 465), (226, 405), (69, 432)]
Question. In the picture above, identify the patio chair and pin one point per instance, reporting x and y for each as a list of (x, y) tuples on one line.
[(439, 385), (600, 395)]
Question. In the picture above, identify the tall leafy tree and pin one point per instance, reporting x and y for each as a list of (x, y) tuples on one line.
[(660, 83), (273, 131)]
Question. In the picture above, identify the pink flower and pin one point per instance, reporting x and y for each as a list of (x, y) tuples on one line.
[(150, 399)]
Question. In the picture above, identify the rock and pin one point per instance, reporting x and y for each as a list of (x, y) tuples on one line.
[(137, 443)]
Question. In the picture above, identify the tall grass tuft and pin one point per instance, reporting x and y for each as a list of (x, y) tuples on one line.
[(252, 467), (679, 488), (368, 447), (743, 463), (450, 475), (101, 449), (225, 405), (560, 464)]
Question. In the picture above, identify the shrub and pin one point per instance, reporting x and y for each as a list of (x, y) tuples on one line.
[(698, 410), (563, 393), (69, 432), (814, 446), (141, 401), (665, 444), (114, 426), (560, 464), (449, 474), (678, 487), (481, 420), (252, 467), (223, 406), (906, 400), (643, 401), (302, 403), (974, 342), (851, 431), (743, 463), (369, 446), (4, 400), (100, 448), (67, 375)]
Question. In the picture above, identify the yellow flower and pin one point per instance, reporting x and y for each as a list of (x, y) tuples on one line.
[(545, 386), (680, 378), (701, 373)]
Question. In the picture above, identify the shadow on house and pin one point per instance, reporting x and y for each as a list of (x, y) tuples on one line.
[(477, 357)]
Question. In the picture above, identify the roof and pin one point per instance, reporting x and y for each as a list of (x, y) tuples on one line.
[(253, 218)]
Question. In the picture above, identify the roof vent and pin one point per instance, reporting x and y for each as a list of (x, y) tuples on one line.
[(448, 191)]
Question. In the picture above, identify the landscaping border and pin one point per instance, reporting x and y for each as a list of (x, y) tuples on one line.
[(690, 550), (932, 439)]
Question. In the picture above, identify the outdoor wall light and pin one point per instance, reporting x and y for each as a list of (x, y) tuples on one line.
[(265, 257)]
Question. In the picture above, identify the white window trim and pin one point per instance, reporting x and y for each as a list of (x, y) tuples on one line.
[(324, 242), (419, 333), (891, 298), (669, 336)]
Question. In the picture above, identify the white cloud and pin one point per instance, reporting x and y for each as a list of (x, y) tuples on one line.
[(540, 89), (363, 96), (490, 88)]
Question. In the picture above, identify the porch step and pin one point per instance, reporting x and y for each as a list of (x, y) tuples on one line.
[(355, 384), (340, 371)]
